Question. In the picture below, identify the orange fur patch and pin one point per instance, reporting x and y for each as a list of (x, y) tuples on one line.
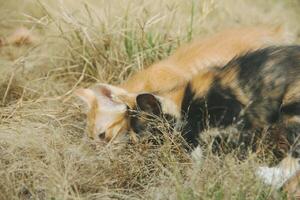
[(202, 82), (91, 119), (201, 54), (292, 187)]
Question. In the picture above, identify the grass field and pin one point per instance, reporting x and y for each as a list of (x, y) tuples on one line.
[(44, 153)]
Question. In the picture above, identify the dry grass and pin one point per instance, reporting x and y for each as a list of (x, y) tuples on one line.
[(43, 150)]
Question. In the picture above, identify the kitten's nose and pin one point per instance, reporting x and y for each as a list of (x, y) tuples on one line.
[(101, 135)]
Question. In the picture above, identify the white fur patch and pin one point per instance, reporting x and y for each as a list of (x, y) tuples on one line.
[(277, 176), (274, 176)]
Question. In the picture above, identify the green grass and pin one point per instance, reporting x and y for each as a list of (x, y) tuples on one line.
[(44, 153)]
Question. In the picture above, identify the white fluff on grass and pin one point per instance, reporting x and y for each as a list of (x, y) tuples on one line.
[(197, 155)]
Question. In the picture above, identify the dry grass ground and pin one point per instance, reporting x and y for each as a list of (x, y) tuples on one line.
[(43, 150)]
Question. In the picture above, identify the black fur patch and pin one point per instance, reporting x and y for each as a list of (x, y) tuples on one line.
[(218, 109), (147, 109), (291, 109), (137, 124), (223, 106), (192, 112), (286, 139), (250, 64), (293, 136), (142, 122)]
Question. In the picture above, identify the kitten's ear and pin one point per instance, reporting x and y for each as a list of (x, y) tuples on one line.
[(87, 95), (114, 95), (149, 103)]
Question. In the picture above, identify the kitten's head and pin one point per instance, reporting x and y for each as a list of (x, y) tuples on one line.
[(107, 111)]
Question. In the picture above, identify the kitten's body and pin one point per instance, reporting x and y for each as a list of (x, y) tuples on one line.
[(106, 115), (255, 92)]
